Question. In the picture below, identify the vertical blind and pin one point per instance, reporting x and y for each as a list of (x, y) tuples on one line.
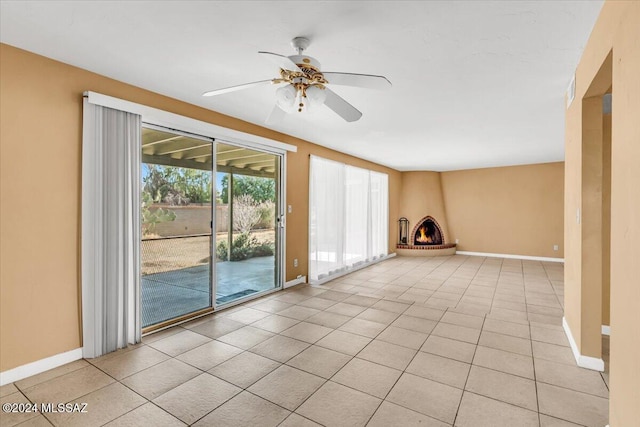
[(110, 229), (348, 217)]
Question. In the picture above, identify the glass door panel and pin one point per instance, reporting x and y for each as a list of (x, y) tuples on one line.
[(176, 225), (247, 238)]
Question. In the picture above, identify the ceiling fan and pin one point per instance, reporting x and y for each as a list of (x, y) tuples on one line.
[(305, 86)]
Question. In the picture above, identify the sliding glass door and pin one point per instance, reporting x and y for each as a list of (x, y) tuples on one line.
[(176, 226), (247, 231), (206, 201)]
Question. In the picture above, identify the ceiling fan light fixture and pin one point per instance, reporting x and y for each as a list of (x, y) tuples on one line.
[(316, 96), (287, 98), (300, 97)]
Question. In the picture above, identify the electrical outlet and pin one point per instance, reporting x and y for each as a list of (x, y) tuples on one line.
[(556, 247), (457, 240), (295, 262), (289, 209)]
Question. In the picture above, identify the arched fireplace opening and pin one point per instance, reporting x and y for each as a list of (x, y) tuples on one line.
[(427, 232)]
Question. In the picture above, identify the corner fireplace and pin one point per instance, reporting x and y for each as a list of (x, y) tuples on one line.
[(427, 232), (426, 239)]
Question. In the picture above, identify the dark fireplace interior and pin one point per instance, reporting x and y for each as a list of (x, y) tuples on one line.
[(427, 233)]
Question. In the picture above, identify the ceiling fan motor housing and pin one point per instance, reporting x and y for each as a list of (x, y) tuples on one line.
[(304, 61)]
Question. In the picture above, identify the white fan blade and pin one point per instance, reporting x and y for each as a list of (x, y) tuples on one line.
[(341, 107), (276, 116), (281, 61), (358, 80), (235, 88)]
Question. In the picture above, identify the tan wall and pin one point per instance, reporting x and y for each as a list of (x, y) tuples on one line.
[(41, 115), (508, 210), (421, 195), (588, 338), (616, 33), (606, 219)]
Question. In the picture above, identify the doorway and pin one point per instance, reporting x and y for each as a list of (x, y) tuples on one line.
[(248, 237), (210, 225), (176, 212), (595, 216)]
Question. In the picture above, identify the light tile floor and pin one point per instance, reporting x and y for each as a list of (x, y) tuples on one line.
[(464, 341)]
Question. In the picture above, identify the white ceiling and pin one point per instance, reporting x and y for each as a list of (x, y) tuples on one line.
[(475, 83)]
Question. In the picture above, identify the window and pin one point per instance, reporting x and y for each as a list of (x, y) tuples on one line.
[(348, 218)]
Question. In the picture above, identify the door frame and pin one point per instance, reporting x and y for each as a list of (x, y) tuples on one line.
[(280, 228)]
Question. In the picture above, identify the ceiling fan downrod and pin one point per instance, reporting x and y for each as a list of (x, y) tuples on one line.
[(300, 44)]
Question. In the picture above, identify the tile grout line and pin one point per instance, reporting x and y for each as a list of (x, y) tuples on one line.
[(195, 367), (86, 394), (402, 371), (533, 359), (383, 331), (148, 402), (115, 382), (401, 374), (443, 266), (132, 390), (535, 374), (326, 380), (394, 384), (372, 340), (30, 401), (352, 357), (472, 358)]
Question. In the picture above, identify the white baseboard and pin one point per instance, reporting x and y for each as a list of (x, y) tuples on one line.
[(527, 257), (351, 270), (39, 366), (587, 362), (296, 281), (606, 330)]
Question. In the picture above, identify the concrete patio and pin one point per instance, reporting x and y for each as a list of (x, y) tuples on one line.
[(175, 293)]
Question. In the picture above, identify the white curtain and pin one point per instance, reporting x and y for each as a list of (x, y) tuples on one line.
[(326, 217), (110, 229), (348, 217), (379, 203), (356, 215)]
